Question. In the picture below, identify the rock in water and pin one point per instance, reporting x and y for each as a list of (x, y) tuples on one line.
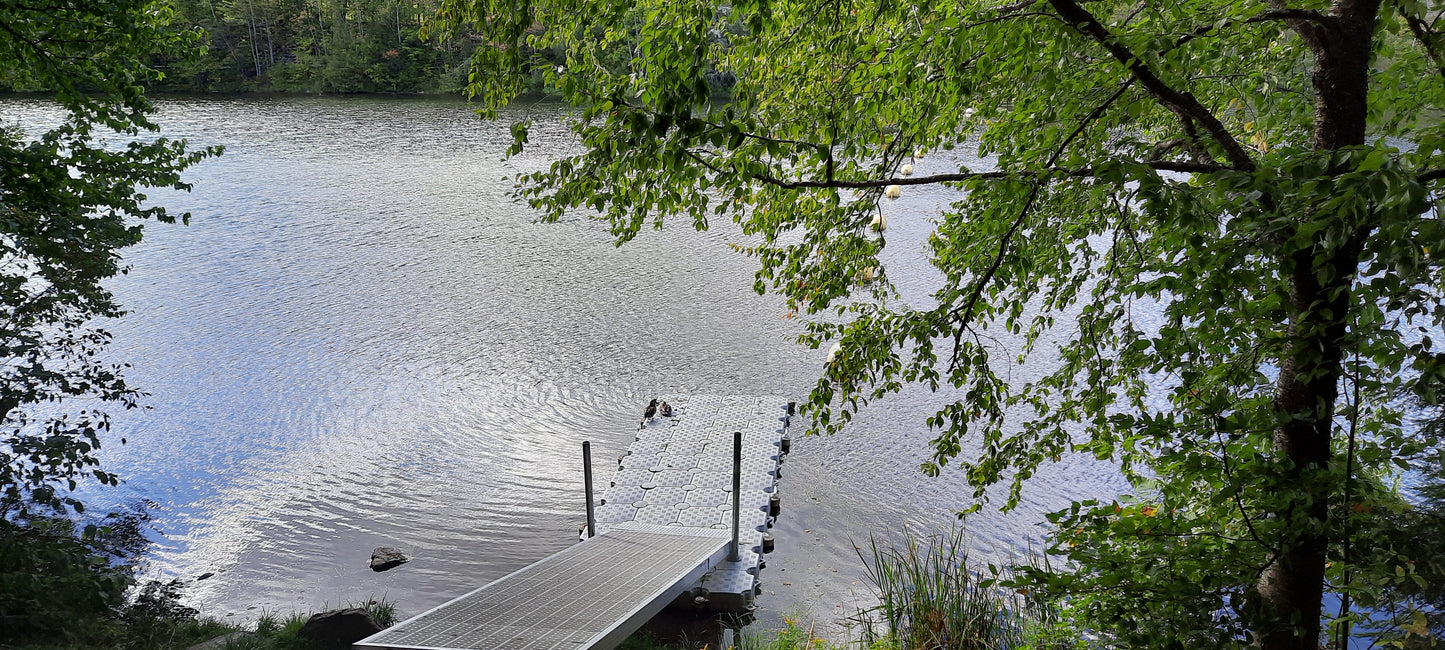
[(338, 629), (385, 557)]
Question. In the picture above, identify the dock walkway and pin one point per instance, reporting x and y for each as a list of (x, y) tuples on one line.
[(664, 533), (583, 597)]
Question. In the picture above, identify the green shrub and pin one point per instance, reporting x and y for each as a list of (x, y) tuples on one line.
[(291, 77), (54, 579)]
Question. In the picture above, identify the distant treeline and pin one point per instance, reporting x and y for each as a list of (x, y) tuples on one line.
[(342, 46), (338, 46), (351, 46)]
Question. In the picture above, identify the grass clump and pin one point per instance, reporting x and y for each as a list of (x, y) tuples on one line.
[(792, 636), (931, 598), (277, 633)]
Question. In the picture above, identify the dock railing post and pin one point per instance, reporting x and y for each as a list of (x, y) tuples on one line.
[(733, 555), (587, 478)]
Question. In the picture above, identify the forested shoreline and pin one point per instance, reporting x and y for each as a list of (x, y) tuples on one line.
[(337, 46), (329, 46), (353, 46)]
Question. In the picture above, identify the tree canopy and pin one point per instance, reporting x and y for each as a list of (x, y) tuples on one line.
[(70, 199), (1229, 206)]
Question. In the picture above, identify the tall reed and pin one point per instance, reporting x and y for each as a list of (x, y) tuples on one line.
[(929, 598)]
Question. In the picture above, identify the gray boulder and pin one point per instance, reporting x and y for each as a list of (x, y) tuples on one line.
[(222, 642), (338, 629), (385, 557)]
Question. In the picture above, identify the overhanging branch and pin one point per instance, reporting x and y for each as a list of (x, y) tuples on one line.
[(1181, 103), (1286, 13), (1426, 36), (1073, 172), (964, 313)]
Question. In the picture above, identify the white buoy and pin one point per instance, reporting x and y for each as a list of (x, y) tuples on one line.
[(864, 275), (893, 191), (918, 155), (880, 222), (833, 351), (907, 170)]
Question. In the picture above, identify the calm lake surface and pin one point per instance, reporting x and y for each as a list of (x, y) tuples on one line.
[(362, 341)]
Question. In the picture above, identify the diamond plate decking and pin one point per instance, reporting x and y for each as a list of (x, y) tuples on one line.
[(678, 473), (592, 595)]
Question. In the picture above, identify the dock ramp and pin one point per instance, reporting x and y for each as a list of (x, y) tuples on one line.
[(592, 595)]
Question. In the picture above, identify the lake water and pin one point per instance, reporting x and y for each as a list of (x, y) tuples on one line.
[(362, 341)]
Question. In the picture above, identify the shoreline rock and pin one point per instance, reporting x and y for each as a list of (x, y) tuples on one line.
[(386, 557), (338, 629)]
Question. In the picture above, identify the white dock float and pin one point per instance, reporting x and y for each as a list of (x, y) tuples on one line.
[(664, 529)]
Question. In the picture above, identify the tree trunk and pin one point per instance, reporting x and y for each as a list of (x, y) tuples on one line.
[(251, 28), (1292, 586)]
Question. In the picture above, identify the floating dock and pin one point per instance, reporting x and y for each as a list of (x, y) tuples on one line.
[(678, 473), (664, 535)]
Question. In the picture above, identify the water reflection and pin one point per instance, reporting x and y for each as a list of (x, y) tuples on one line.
[(362, 341)]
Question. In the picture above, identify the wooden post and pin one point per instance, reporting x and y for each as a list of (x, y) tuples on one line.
[(587, 478)]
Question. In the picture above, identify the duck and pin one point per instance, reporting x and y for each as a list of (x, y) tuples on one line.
[(650, 411), (664, 409)]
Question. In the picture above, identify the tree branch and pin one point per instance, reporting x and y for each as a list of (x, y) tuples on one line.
[(1089, 119), (1011, 16), (1025, 4), (1072, 172), (1286, 13), (1181, 103), (1426, 36), (978, 287), (1238, 501), (964, 313)]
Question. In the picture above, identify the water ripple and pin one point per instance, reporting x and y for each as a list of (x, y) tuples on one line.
[(361, 340)]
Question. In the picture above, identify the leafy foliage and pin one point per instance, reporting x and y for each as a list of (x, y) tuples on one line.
[(1402, 579), (71, 198), (64, 580), (50, 577), (1210, 221)]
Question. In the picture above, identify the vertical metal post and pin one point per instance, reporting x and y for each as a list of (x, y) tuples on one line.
[(733, 555), (587, 478)]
